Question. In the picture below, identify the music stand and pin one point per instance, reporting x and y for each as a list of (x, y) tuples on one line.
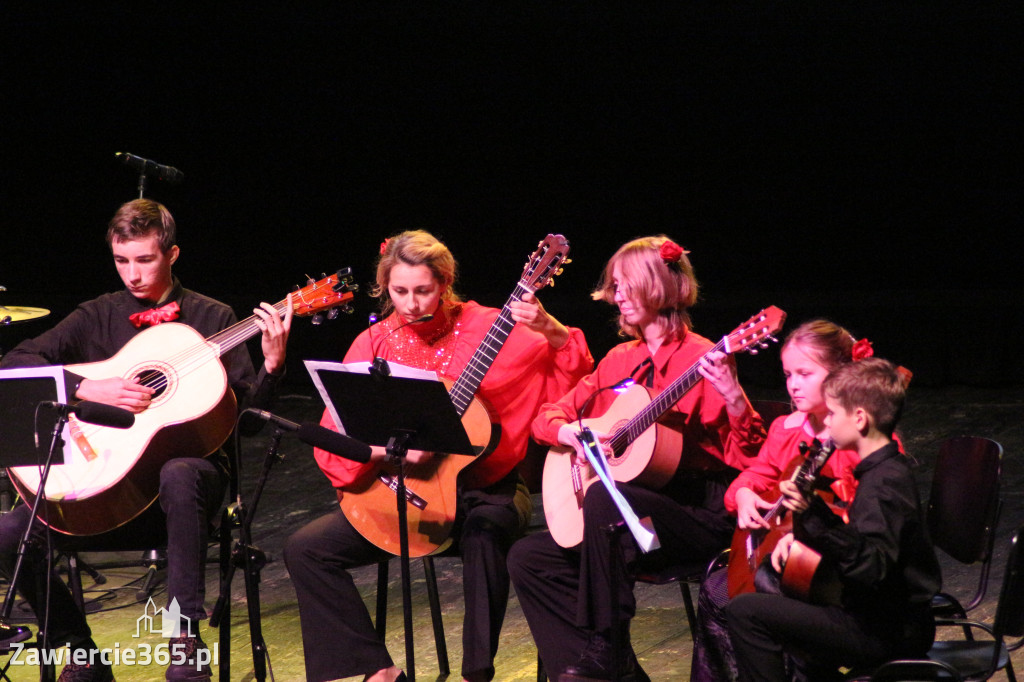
[(399, 414), (21, 391)]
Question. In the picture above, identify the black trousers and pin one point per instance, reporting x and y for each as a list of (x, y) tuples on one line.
[(567, 595), (338, 635), (764, 627), (66, 621), (191, 492)]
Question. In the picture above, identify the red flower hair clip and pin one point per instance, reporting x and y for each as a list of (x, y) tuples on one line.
[(862, 349), (671, 252), (384, 245)]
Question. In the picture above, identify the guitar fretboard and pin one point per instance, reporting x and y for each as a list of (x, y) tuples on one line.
[(643, 419), (468, 383), (242, 331)]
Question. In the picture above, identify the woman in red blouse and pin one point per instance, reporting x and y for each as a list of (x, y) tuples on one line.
[(567, 595), (539, 361)]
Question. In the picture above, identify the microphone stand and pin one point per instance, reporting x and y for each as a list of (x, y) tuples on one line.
[(252, 560), (56, 443), (142, 182), (397, 449)]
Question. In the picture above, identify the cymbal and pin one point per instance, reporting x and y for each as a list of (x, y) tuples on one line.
[(12, 314)]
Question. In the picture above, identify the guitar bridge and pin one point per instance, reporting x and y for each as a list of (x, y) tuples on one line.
[(411, 497)]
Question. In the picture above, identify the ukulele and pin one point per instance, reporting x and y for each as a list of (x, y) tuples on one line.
[(113, 475), (751, 547), (369, 504), (643, 450)]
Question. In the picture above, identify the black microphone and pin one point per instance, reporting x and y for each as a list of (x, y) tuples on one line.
[(379, 367), (169, 174), (95, 413), (319, 436)]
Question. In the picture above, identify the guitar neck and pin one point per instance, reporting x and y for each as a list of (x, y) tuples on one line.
[(241, 331), (468, 383), (646, 417)]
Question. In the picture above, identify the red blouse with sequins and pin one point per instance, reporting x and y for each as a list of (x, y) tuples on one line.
[(526, 373)]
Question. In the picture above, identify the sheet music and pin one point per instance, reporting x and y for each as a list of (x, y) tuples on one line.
[(397, 370), (642, 529)]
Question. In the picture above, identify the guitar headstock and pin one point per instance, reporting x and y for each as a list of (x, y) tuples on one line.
[(755, 333), (817, 455), (545, 263), (329, 294)]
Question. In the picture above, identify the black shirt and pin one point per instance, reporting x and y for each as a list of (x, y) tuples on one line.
[(883, 556), (97, 329)]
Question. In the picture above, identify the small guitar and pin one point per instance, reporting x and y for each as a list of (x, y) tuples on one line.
[(113, 474), (643, 450), (370, 506), (806, 576), (751, 547)]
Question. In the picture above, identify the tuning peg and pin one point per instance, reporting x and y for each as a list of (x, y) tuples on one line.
[(310, 280), (332, 314), (347, 309), (567, 261), (558, 271), (317, 320)]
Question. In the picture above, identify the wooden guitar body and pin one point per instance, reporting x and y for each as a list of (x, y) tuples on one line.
[(650, 459), (371, 508), (809, 578), (750, 548), (108, 480)]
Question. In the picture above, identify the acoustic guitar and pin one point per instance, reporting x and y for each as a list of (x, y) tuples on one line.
[(750, 547), (369, 505), (644, 451), (112, 475)]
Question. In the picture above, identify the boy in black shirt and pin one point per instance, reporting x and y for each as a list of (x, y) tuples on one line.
[(883, 557)]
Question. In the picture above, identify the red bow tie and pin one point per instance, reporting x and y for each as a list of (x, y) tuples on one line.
[(164, 313)]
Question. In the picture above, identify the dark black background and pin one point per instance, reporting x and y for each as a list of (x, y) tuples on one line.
[(859, 162)]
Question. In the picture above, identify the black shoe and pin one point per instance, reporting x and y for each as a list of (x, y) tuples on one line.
[(595, 663), (195, 668), (73, 672), (9, 634)]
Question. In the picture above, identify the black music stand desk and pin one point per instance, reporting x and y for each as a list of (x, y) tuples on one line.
[(399, 413)]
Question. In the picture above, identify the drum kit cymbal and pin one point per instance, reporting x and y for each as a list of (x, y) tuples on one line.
[(14, 314)]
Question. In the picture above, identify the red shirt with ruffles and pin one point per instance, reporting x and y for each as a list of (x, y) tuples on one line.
[(782, 446), (712, 438), (526, 373)]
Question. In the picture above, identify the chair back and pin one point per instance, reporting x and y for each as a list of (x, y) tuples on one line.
[(1009, 620), (963, 507)]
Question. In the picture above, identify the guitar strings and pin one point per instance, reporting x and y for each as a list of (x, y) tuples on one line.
[(643, 419), (462, 392), (197, 355)]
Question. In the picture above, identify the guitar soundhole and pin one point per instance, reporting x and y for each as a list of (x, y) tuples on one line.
[(154, 379)]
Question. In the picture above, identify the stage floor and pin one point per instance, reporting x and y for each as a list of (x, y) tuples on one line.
[(297, 492)]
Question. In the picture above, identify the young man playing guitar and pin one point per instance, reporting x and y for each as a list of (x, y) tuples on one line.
[(141, 236), (573, 599), (431, 328)]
